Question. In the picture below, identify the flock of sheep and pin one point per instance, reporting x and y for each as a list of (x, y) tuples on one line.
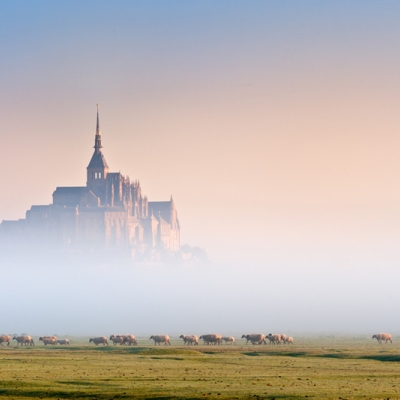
[(210, 339), (215, 339)]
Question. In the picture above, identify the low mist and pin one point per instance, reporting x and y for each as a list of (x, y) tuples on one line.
[(79, 298)]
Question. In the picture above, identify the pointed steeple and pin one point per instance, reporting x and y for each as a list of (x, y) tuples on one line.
[(98, 123), (172, 204), (98, 160), (97, 139), (97, 169)]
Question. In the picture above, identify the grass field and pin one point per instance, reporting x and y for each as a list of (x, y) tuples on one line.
[(319, 368)]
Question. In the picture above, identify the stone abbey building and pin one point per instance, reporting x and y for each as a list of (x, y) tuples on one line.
[(109, 214)]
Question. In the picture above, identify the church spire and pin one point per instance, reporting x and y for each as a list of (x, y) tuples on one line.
[(97, 140), (97, 163)]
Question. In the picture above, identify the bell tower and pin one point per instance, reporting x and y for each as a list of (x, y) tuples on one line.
[(97, 169)]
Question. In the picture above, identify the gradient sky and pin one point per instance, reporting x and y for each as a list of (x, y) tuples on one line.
[(274, 124)]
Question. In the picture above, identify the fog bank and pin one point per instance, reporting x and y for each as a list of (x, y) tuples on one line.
[(84, 299)]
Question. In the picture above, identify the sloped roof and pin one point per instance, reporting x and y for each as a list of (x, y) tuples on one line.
[(71, 190), (98, 160), (161, 208), (68, 196)]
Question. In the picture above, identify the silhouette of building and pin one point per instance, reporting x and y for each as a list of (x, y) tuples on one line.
[(108, 214)]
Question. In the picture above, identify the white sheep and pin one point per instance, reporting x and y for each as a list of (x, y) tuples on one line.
[(128, 339), (99, 340), (211, 338), (117, 339), (228, 339), (160, 339), (275, 339), (383, 337), (48, 340), (254, 338), (24, 340), (193, 339), (5, 339)]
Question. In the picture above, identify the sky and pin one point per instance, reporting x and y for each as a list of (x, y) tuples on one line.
[(274, 125)]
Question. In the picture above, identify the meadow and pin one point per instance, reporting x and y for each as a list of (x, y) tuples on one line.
[(314, 367)]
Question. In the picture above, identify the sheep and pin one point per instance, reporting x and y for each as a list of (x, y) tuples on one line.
[(48, 340), (24, 340), (380, 337), (228, 339), (117, 339), (131, 341), (283, 338), (275, 339), (51, 341), (47, 337), (211, 338), (99, 340), (254, 338), (194, 340), (63, 342), (128, 339), (160, 339), (5, 339), (289, 340), (184, 338)]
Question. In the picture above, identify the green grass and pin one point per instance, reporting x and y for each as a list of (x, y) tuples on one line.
[(319, 368)]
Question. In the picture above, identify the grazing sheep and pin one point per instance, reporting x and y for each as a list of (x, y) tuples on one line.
[(254, 338), (23, 340), (193, 340), (99, 340), (283, 338), (228, 339), (48, 340), (117, 339), (289, 340), (160, 339), (211, 338), (380, 337), (275, 339), (5, 339), (128, 339), (63, 342)]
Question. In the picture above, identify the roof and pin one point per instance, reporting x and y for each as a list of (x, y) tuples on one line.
[(161, 208), (98, 160), (6, 222), (68, 196), (69, 190), (40, 208)]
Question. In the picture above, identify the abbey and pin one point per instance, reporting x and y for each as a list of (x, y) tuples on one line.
[(108, 214)]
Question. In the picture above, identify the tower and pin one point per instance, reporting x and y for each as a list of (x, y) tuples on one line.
[(97, 169)]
